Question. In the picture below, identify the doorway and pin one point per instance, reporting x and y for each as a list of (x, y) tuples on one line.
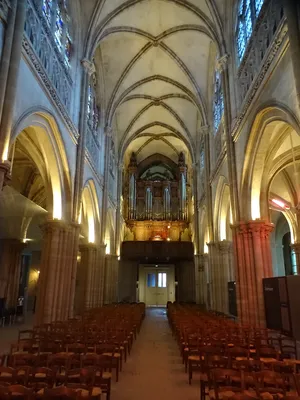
[(156, 285)]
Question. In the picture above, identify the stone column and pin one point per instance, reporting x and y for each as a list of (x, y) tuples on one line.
[(230, 150), (11, 252), (291, 9), (9, 76), (225, 272), (198, 280), (88, 73), (119, 211), (213, 254), (86, 276), (296, 250), (252, 252), (55, 300), (108, 135), (204, 268), (6, 52), (111, 278)]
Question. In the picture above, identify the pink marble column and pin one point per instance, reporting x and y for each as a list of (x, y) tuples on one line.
[(55, 299), (252, 250)]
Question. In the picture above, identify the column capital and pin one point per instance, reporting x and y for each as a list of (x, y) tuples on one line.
[(108, 131), (5, 176), (87, 246), (204, 130), (88, 66), (296, 247), (57, 224), (225, 246), (254, 227), (222, 63)]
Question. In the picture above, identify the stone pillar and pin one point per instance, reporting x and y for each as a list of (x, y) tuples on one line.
[(9, 79), (226, 273), (10, 266), (230, 150), (111, 279), (86, 276), (6, 52), (204, 269), (198, 282), (55, 300), (12, 80), (108, 135), (88, 73), (213, 254), (252, 253), (296, 250)]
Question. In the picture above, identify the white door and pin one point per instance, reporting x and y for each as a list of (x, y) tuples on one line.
[(156, 287)]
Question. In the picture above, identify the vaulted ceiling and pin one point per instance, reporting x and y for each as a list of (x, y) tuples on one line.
[(155, 61)]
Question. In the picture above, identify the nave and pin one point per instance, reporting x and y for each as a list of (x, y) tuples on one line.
[(155, 370)]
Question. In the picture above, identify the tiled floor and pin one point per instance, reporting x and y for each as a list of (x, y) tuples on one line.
[(154, 370)]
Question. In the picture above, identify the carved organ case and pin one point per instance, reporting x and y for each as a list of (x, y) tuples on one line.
[(156, 191)]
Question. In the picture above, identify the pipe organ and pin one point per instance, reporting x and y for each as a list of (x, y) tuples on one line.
[(157, 191)]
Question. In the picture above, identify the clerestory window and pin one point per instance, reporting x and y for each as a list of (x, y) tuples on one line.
[(218, 105), (56, 15), (248, 11)]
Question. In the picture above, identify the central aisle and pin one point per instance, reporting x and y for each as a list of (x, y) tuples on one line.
[(154, 370)]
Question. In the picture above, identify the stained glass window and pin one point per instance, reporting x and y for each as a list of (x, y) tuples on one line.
[(93, 111), (202, 159), (59, 26), (218, 106), (68, 49), (258, 6), (248, 12), (47, 8)]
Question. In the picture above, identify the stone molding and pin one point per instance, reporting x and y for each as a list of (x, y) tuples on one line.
[(41, 73), (222, 63), (4, 8), (88, 66), (253, 68), (254, 228)]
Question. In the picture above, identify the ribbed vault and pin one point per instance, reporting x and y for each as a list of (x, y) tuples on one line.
[(154, 57)]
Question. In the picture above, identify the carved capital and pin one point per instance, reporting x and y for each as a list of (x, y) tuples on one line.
[(204, 130), (5, 176), (222, 63), (225, 246), (88, 66), (108, 131)]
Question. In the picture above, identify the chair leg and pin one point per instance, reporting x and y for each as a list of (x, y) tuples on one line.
[(190, 374)]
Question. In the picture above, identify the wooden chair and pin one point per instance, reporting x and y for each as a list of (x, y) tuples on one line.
[(225, 382), (4, 394), (61, 392), (40, 378), (7, 376), (271, 382), (20, 392)]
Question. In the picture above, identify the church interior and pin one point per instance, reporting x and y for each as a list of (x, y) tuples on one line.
[(149, 199)]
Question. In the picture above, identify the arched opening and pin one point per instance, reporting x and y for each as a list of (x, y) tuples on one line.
[(39, 190)]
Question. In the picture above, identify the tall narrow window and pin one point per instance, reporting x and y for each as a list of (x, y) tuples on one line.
[(93, 111), (248, 12), (68, 48), (47, 8), (218, 106), (59, 27)]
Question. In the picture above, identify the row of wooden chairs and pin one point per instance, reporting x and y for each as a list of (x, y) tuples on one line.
[(233, 359), (82, 352)]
